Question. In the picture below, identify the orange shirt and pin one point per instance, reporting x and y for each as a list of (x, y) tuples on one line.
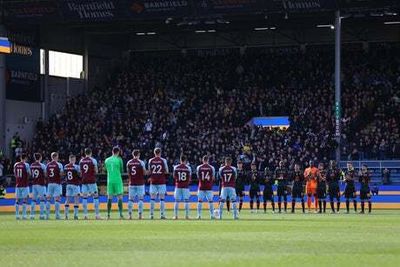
[(312, 180)]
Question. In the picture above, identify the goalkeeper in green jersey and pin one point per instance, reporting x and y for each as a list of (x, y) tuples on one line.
[(114, 167)]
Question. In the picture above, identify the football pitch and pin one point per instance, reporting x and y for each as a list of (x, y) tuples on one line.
[(254, 240)]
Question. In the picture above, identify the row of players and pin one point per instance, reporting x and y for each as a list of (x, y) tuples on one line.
[(315, 182)]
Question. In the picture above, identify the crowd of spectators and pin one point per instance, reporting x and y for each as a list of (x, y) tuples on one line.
[(200, 103)]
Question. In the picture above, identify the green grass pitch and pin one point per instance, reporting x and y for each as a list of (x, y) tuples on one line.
[(254, 240)]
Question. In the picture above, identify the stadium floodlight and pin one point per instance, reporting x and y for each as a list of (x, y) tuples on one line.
[(151, 33), (140, 33), (211, 31), (261, 29), (391, 22), (325, 26), (200, 31), (272, 28)]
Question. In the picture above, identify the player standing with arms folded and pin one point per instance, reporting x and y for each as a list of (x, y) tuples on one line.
[(182, 175), (281, 176), (21, 173), (298, 187), (89, 168), (240, 184), (114, 167), (73, 191), (268, 192), (54, 170), (206, 176), (254, 180), (228, 175), (365, 191), (350, 189), (310, 174), (38, 170), (321, 188), (136, 170), (158, 171), (333, 178)]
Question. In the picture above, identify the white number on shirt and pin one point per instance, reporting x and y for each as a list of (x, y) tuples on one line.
[(35, 173), (51, 174), (85, 168), (205, 176), (133, 170), (70, 175), (19, 173), (182, 176), (227, 177), (156, 169)]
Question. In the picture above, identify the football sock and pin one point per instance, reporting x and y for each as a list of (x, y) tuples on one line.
[(221, 207), (76, 209), (152, 203), (302, 205), (228, 205), (251, 204), (211, 207), (279, 206), (347, 205), (309, 202), (258, 204), (362, 206), (130, 207), (293, 204), (355, 205), (84, 205), (162, 207), (234, 207), (42, 206), (338, 206), (324, 203), (96, 205), (140, 206), (109, 204), (265, 206), (369, 206), (273, 205), (57, 208), (176, 207), (17, 208), (186, 208), (66, 209), (120, 207), (285, 205), (48, 207), (320, 205), (332, 206), (316, 203), (240, 203), (33, 208), (199, 206), (24, 209)]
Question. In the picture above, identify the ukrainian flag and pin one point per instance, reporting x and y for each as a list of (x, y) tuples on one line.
[(5, 45)]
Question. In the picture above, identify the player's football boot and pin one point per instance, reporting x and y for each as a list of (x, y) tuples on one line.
[(24, 217), (58, 217), (163, 217), (42, 217), (121, 217), (187, 217), (212, 218), (85, 217), (66, 218), (32, 217), (17, 218), (198, 217), (175, 217), (76, 218), (98, 217), (140, 216), (151, 217)]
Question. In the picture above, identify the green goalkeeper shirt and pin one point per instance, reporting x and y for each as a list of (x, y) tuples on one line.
[(114, 167)]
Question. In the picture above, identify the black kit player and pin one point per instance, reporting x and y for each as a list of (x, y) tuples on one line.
[(365, 191), (240, 183), (254, 180), (350, 189), (333, 177), (281, 176), (298, 187), (268, 192), (321, 188)]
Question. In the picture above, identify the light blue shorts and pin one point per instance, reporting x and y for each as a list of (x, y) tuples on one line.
[(54, 190), (181, 194), (136, 191), (72, 190), (228, 193), (21, 192), (208, 194), (38, 191), (89, 189), (160, 189)]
